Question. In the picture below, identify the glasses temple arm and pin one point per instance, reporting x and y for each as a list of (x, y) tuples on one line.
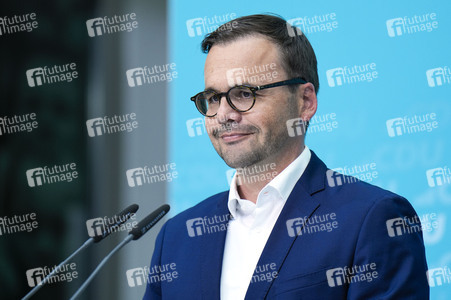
[(281, 83)]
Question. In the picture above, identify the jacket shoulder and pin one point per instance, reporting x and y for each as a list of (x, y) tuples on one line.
[(205, 207)]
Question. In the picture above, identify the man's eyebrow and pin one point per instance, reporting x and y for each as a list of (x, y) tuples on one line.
[(247, 84), (216, 91), (208, 88)]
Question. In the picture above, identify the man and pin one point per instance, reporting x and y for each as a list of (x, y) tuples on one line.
[(289, 228)]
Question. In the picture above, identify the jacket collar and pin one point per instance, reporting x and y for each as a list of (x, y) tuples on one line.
[(300, 203), (212, 250)]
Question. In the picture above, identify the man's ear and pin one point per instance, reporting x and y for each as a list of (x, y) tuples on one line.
[(309, 102)]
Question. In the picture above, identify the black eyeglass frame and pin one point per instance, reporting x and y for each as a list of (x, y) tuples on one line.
[(253, 89)]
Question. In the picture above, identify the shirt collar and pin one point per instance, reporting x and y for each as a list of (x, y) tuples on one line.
[(283, 183)]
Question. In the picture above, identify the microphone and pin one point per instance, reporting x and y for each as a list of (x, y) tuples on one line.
[(120, 218), (149, 221), (136, 233)]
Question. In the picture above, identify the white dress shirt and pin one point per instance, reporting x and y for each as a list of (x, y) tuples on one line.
[(249, 229)]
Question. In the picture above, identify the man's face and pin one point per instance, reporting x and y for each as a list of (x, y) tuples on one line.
[(259, 135)]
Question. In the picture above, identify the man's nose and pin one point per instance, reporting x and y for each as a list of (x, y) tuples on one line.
[(226, 113)]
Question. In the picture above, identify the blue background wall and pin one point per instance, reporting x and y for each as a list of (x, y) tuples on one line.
[(360, 135)]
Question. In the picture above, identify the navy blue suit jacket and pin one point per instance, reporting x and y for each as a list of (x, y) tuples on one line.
[(302, 258)]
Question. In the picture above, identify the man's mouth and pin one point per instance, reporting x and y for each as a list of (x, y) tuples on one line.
[(229, 137)]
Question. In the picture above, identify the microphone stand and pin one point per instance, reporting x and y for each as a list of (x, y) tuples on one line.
[(100, 265), (47, 278)]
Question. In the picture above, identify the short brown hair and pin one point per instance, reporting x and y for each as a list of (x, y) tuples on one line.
[(297, 55)]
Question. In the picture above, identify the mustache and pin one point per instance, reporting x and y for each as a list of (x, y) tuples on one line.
[(229, 127)]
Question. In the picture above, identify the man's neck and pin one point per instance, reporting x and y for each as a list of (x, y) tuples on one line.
[(251, 180)]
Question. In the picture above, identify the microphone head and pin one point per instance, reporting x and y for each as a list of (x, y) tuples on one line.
[(119, 218), (149, 221)]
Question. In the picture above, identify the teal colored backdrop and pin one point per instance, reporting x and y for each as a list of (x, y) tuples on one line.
[(394, 118)]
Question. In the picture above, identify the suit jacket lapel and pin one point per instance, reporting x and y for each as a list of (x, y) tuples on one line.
[(212, 250), (300, 203)]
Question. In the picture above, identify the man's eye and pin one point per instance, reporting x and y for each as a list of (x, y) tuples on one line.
[(242, 94), (213, 99), (245, 94)]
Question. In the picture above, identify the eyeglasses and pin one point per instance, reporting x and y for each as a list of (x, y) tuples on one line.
[(241, 98)]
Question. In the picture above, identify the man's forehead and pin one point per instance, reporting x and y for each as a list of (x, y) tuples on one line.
[(243, 50), (252, 53)]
